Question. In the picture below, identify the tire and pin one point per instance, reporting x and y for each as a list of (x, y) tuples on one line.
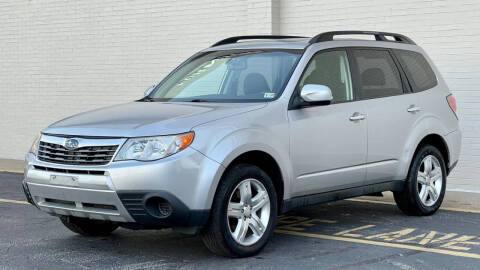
[(218, 235), (88, 227), (412, 201)]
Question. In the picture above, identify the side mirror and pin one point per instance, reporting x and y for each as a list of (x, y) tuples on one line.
[(149, 90), (314, 93)]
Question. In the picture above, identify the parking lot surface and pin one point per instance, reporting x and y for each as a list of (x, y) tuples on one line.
[(366, 233)]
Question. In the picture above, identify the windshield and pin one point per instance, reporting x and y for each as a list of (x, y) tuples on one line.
[(229, 76)]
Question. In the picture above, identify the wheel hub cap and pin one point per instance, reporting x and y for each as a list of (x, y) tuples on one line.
[(247, 211)]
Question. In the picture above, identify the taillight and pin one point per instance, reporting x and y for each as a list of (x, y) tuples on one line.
[(452, 102)]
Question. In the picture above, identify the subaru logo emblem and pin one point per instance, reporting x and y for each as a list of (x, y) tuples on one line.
[(71, 143)]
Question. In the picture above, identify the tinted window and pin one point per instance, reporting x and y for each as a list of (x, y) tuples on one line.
[(379, 76), (330, 69), (419, 72)]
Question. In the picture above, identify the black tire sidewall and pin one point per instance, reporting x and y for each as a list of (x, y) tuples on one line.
[(233, 177), (413, 183)]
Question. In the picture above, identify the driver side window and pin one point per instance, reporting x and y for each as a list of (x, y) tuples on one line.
[(330, 69)]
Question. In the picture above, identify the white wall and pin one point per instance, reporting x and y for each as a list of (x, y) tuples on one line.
[(449, 30), (58, 58)]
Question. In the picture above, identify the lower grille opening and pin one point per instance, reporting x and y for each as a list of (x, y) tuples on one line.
[(70, 203), (99, 206), (49, 169)]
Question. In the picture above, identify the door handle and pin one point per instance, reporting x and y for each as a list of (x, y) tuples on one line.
[(413, 109), (357, 116)]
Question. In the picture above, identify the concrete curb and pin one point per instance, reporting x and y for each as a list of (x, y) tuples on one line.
[(10, 171), (11, 165)]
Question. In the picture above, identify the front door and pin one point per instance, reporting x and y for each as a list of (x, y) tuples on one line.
[(328, 142)]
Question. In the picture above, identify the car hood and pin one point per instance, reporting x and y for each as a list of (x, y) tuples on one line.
[(138, 119)]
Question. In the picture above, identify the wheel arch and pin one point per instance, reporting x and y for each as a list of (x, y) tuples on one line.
[(265, 162), (438, 142)]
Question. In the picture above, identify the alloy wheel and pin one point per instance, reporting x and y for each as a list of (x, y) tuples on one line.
[(429, 180), (248, 212)]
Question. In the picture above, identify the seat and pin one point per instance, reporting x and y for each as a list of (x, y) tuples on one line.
[(373, 80), (255, 84), (373, 77)]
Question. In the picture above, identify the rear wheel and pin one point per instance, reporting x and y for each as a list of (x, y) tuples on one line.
[(88, 227), (243, 213), (426, 183)]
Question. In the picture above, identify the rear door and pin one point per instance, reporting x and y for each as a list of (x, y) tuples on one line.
[(391, 110)]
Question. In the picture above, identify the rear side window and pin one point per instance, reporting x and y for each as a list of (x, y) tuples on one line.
[(419, 72), (378, 74)]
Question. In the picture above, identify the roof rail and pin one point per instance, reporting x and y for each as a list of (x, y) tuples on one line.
[(379, 36), (237, 38)]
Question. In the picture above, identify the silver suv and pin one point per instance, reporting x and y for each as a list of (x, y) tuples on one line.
[(250, 128)]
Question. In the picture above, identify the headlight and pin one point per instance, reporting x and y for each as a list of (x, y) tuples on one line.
[(34, 147), (153, 148)]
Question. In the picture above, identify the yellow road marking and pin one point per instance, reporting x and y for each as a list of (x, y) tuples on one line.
[(441, 208), (383, 244), (348, 232), (13, 201)]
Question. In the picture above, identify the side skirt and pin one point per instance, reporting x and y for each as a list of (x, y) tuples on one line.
[(336, 195)]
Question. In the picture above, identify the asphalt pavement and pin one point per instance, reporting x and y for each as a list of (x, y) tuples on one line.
[(365, 233)]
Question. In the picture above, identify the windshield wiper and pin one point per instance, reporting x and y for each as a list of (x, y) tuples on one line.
[(198, 100), (147, 99)]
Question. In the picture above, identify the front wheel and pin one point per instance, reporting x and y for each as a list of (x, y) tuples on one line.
[(425, 185), (243, 214)]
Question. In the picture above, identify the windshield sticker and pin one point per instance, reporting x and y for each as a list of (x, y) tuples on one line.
[(269, 95)]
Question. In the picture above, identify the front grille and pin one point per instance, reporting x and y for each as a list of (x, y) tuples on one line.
[(88, 155)]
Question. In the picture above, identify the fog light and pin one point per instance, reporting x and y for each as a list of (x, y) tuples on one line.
[(158, 207), (165, 209)]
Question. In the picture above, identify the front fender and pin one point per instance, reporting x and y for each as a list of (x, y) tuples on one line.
[(226, 139)]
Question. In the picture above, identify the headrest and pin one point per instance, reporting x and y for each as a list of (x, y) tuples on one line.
[(255, 83), (373, 77)]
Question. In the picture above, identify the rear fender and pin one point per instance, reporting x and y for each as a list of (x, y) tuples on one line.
[(426, 125)]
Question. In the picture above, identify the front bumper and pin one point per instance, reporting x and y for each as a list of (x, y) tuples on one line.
[(126, 191)]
